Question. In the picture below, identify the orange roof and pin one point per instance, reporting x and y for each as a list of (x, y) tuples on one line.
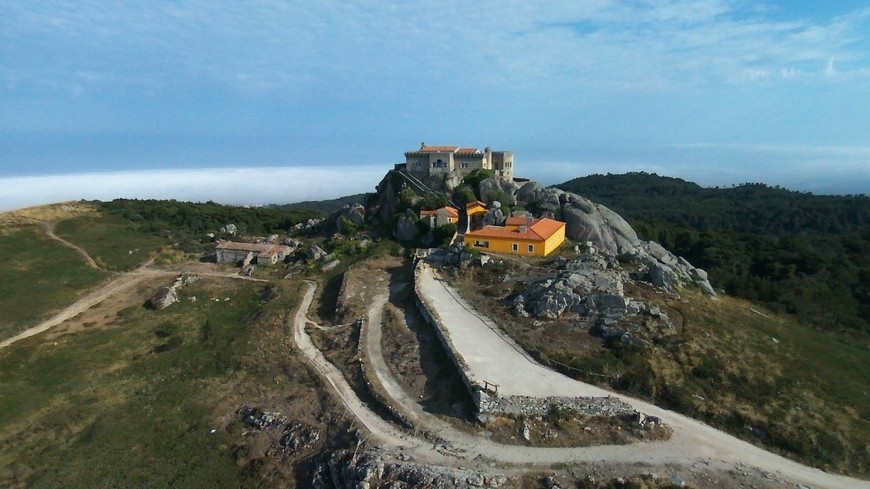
[(438, 149), (546, 227), (519, 221), (452, 212), (540, 230), (475, 203), (466, 150)]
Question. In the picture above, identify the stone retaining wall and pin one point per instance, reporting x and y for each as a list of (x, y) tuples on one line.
[(486, 402)]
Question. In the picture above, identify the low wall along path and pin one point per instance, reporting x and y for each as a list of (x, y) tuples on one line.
[(501, 377)]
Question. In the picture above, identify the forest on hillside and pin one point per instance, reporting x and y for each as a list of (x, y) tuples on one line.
[(795, 252)]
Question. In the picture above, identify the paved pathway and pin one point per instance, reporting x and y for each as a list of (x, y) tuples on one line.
[(491, 356)]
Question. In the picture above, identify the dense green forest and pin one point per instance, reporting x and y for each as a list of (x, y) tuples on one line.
[(187, 222), (327, 206), (795, 252)]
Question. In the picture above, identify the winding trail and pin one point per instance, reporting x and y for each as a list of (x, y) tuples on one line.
[(49, 231), (123, 282), (692, 443)]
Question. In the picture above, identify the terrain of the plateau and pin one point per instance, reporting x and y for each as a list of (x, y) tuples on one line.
[(679, 337)]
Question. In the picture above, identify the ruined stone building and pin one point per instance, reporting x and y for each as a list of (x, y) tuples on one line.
[(245, 253)]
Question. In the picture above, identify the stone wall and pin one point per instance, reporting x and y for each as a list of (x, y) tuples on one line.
[(486, 402)]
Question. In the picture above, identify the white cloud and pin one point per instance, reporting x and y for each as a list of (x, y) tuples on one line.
[(230, 186), (292, 46)]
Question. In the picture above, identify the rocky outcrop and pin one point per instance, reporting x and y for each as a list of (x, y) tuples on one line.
[(589, 292), (163, 298), (590, 285), (493, 187), (314, 252), (668, 271), (494, 216), (347, 469), (405, 228), (166, 296)]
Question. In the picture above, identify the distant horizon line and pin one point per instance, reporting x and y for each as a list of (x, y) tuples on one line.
[(279, 185)]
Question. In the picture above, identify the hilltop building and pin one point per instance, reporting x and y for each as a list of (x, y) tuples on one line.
[(245, 253), (432, 160), (519, 236)]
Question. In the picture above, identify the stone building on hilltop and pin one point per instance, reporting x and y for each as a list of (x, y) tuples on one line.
[(431, 160)]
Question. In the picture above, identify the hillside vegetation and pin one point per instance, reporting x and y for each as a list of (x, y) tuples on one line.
[(803, 254), (762, 376)]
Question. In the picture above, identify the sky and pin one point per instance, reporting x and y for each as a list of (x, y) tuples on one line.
[(282, 101)]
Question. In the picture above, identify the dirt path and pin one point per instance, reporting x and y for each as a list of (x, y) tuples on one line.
[(123, 282), (693, 444), (49, 231), (379, 429)]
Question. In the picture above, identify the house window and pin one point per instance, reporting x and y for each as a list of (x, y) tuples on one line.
[(481, 244), (531, 248), (464, 164), (515, 247)]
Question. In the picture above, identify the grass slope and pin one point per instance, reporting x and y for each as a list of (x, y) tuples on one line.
[(759, 375), (115, 243), (135, 404), (40, 275)]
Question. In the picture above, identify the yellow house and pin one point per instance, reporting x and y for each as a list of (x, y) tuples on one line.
[(476, 207), (519, 236)]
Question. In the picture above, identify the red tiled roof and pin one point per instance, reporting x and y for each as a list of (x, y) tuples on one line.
[(438, 149), (467, 150), (539, 231), (452, 212), (475, 203), (262, 248)]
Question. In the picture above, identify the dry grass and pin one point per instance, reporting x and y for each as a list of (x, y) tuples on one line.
[(9, 221), (149, 398), (763, 377)]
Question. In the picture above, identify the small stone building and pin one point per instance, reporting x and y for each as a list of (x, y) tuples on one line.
[(245, 253), (440, 217)]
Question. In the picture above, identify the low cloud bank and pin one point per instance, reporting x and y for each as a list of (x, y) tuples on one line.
[(281, 185), (251, 186)]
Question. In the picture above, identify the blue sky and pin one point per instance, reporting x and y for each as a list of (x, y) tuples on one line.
[(145, 93)]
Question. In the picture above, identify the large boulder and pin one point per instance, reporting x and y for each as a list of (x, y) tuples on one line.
[(606, 230), (163, 298), (406, 229), (356, 213), (443, 182), (542, 200), (494, 216), (493, 187)]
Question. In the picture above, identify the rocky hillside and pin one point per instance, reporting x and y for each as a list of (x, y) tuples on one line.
[(592, 226)]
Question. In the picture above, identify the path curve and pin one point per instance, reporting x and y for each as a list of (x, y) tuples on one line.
[(49, 231), (123, 282), (684, 449), (691, 442)]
